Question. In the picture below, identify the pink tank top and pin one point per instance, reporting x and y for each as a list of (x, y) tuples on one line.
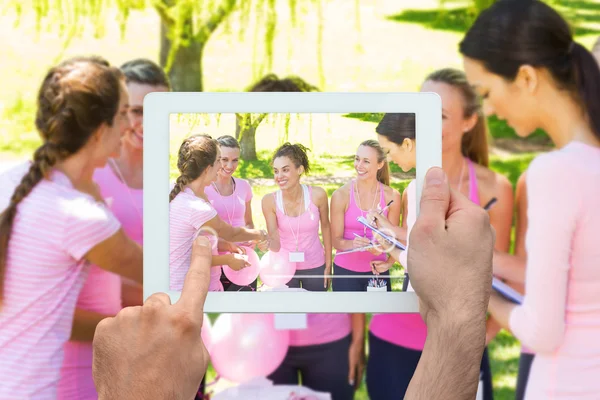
[(359, 261), (409, 330), (301, 233), (231, 209)]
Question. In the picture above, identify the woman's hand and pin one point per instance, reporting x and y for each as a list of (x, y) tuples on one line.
[(360, 242), (356, 363), (234, 248), (379, 267), (238, 261), (328, 271)]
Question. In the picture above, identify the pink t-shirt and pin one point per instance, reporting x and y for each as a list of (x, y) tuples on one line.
[(101, 292), (358, 261), (321, 328), (560, 316), (54, 228), (187, 214), (301, 233), (231, 209)]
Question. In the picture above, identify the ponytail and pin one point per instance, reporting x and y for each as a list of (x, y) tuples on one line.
[(587, 77), (44, 158), (383, 175)]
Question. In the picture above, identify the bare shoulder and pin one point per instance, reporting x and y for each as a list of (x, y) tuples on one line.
[(341, 193), (492, 184), (268, 200), (319, 195)]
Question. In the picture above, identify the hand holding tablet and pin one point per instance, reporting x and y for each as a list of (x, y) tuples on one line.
[(168, 333)]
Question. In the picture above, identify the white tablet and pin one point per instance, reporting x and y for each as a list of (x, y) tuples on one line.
[(163, 135)]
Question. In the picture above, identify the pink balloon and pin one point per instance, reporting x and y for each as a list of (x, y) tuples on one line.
[(276, 269), (247, 275), (205, 333), (247, 346)]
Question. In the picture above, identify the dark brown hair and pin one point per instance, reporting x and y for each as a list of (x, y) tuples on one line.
[(513, 33), (75, 99), (145, 72), (383, 174), (196, 154), (295, 152), (228, 141), (474, 143), (272, 83), (397, 126)]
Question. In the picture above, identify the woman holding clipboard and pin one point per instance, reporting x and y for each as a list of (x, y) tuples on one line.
[(546, 80), (396, 340), (370, 190)]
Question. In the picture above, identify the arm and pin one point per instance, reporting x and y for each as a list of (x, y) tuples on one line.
[(512, 267), (338, 210), (539, 322), (120, 255), (501, 216), (323, 204), (84, 325), (234, 234), (132, 293), (450, 362), (356, 353), (268, 207)]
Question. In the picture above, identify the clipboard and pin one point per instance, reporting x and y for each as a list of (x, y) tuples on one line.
[(355, 250), (392, 240), (506, 291)]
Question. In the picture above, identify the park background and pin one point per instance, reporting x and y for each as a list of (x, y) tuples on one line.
[(226, 45)]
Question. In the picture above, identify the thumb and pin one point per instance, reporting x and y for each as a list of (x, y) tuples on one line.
[(435, 200)]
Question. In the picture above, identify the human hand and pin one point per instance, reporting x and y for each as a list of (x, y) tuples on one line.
[(328, 271), (379, 267), (235, 249), (450, 254), (238, 261), (356, 363), (263, 245), (167, 334), (360, 242)]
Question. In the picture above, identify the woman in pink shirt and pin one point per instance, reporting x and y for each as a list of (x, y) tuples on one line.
[(546, 80), (121, 186), (396, 340), (191, 214), (57, 224), (232, 198), (370, 190), (328, 352)]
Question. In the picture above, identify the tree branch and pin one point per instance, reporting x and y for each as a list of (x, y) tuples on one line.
[(163, 11), (214, 20)]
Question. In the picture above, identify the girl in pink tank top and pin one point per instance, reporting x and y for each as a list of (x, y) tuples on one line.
[(232, 198), (294, 215), (191, 214), (396, 340), (369, 191)]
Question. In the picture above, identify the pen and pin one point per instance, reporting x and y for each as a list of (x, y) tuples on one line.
[(490, 204), (386, 207)]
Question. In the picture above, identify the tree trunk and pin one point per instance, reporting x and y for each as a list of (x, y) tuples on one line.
[(247, 142), (186, 70)]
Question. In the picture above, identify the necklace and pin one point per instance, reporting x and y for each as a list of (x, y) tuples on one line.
[(360, 206), (229, 216), (297, 233), (460, 178)]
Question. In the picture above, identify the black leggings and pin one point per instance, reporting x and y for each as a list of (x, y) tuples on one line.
[(390, 369), (322, 367), (525, 362), (355, 284), (229, 286), (310, 284)]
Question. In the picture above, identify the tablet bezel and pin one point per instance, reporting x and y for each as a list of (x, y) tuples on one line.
[(158, 107)]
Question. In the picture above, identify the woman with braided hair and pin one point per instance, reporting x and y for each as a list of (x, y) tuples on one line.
[(56, 224), (191, 214)]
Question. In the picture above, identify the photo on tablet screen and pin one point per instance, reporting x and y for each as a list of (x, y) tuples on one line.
[(308, 180)]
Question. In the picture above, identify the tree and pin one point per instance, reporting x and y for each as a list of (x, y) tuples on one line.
[(186, 26)]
